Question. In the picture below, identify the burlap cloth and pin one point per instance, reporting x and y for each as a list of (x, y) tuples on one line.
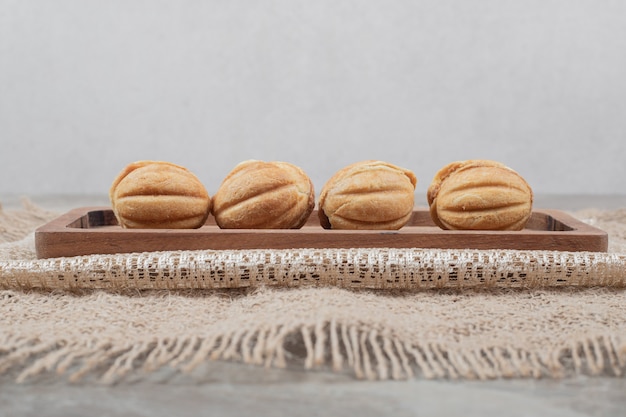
[(372, 314)]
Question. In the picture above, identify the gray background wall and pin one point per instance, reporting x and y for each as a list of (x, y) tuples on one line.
[(89, 86)]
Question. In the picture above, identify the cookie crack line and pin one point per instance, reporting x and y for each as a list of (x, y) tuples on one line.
[(161, 195), (257, 194), (464, 209), (494, 184)]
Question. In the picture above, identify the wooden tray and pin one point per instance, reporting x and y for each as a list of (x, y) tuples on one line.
[(94, 230)]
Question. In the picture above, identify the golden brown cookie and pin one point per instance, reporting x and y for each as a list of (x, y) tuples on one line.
[(264, 195), (479, 195), (159, 195), (368, 195)]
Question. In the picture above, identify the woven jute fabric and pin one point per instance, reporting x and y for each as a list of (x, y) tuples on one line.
[(371, 313)]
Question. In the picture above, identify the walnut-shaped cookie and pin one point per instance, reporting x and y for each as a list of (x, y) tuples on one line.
[(159, 195), (264, 195), (373, 195), (479, 195)]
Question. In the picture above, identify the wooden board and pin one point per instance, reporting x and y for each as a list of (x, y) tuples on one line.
[(94, 230)]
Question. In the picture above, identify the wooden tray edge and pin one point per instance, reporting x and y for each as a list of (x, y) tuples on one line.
[(55, 239)]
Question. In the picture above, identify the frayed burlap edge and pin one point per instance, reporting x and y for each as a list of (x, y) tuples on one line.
[(329, 330), (361, 347), (365, 349), (365, 354)]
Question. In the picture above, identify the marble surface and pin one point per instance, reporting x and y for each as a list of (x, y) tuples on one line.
[(228, 389)]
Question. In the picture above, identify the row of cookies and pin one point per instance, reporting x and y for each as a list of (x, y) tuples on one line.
[(375, 195)]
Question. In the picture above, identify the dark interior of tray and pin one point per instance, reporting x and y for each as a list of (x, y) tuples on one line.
[(420, 218)]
